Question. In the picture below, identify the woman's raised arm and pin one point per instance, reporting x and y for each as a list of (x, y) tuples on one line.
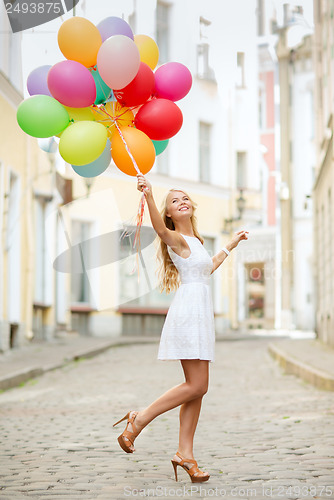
[(171, 238), (157, 222), (219, 258)]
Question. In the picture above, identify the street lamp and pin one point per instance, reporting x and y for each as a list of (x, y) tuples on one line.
[(241, 205)]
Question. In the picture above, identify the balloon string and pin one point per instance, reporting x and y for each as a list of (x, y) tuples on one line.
[(112, 118), (140, 213), (127, 149), (141, 207)]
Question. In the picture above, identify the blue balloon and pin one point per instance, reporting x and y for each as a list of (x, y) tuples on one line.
[(96, 167), (102, 89), (160, 146)]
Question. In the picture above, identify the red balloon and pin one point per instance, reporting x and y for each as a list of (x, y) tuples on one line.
[(160, 119), (139, 89)]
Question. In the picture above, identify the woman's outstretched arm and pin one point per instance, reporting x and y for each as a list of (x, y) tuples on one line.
[(219, 258)]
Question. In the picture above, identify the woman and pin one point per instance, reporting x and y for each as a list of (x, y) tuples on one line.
[(188, 332)]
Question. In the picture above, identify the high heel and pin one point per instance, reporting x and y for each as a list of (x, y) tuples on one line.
[(126, 439), (191, 470)]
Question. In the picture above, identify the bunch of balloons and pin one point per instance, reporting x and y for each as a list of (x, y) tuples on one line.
[(105, 99)]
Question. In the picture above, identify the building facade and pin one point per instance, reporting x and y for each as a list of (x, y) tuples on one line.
[(287, 138), (78, 269), (213, 157), (323, 189), (27, 194)]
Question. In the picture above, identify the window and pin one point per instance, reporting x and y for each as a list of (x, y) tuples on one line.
[(260, 17), (80, 287), (13, 249), (240, 69), (262, 105), (319, 10), (204, 151), (39, 293), (310, 98), (203, 68), (330, 247), (162, 35), (255, 290), (241, 174)]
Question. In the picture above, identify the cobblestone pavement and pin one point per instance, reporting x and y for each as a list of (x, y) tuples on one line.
[(261, 434)]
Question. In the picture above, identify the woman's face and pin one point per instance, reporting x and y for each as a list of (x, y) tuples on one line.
[(178, 206)]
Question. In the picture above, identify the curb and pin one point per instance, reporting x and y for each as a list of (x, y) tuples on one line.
[(19, 378), (15, 379), (318, 378)]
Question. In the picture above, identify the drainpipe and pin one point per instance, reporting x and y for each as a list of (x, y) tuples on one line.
[(29, 295)]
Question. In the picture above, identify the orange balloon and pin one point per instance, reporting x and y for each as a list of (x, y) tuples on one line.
[(79, 40), (111, 113), (140, 146)]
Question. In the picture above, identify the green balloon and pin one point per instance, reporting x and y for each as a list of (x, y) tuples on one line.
[(42, 116), (160, 146)]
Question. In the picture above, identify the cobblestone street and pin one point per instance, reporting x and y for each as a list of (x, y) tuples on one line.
[(261, 434)]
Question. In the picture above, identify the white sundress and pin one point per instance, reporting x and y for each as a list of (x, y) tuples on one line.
[(189, 329)]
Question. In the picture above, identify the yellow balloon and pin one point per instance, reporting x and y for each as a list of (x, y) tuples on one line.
[(80, 114), (111, 113), (148, 50), (79, 40), (83, 142), (100, 116)]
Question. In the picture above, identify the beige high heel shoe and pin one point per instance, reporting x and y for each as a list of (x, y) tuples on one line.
[(126, 439), (192, 471)]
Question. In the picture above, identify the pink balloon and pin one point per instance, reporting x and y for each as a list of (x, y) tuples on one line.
[(72, 84), (173, 81), (118, 61)]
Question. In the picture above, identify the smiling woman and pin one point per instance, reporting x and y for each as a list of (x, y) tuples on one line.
[(188, 333)]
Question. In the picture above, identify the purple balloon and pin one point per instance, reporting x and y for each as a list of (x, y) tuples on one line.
[(37, 81), (114, 26)]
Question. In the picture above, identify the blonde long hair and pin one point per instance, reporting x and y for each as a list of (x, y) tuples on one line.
[(168, 274)]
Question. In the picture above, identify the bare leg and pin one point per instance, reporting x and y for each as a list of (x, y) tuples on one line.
[(195, 386), (189, 415)]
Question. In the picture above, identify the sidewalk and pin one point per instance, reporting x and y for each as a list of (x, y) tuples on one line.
[(309, 359), (19, 365), (304, 357)]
